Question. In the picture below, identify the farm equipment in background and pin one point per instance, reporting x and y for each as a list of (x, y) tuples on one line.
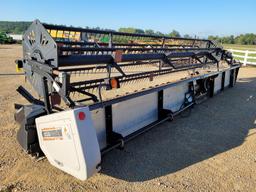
[(99, 89), (4, 39)]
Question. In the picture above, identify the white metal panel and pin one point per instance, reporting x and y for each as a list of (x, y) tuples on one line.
[(174, 96), (217, 83), (98, 118), (136, 113), (227, 78), (70, 143), (16, 37), (51, 144)]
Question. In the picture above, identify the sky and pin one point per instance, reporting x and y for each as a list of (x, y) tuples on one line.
[(193, 17)]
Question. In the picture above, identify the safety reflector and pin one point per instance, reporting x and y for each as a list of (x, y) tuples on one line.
[(114, 83), (81, 116)]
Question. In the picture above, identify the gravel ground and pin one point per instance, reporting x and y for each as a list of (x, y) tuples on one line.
[(211, 150)]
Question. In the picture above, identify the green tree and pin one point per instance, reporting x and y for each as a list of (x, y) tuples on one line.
[(187, 36), (174, 33), (17, 27), (243, 39), (149, 32), (159, 33), (131, 30), (4, 39)]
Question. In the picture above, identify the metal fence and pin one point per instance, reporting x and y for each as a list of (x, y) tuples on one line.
[(244, 56)]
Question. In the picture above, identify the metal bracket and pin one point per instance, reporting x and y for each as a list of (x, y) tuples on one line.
[(112, 137)]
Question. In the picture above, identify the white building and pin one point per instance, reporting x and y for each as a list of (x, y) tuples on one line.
[(16, 37)]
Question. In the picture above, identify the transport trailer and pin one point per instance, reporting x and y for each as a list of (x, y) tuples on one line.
[(96, 90)]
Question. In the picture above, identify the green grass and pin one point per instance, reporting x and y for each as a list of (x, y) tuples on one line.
[(242, 47)]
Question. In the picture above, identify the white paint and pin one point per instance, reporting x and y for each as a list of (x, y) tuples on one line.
[(134, 114), (77, 153), (245, 57), (227, 78), (217, 83), (98, 118), (174, 97), (56, 86), (16, 37)]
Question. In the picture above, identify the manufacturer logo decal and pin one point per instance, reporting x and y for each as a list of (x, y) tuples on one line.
[(52, 134)]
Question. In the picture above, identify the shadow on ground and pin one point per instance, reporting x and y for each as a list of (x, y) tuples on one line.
[(213, 127)]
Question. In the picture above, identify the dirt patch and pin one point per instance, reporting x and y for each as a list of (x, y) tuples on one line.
[(211, 150)]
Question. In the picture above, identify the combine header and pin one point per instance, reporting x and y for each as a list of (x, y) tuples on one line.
[(99, 89)]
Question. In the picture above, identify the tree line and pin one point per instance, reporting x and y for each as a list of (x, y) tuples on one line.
[(243, 39), (18, 27), (14, 27), (173, 33)]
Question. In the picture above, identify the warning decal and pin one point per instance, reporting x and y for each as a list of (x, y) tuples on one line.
[(52, 133)]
